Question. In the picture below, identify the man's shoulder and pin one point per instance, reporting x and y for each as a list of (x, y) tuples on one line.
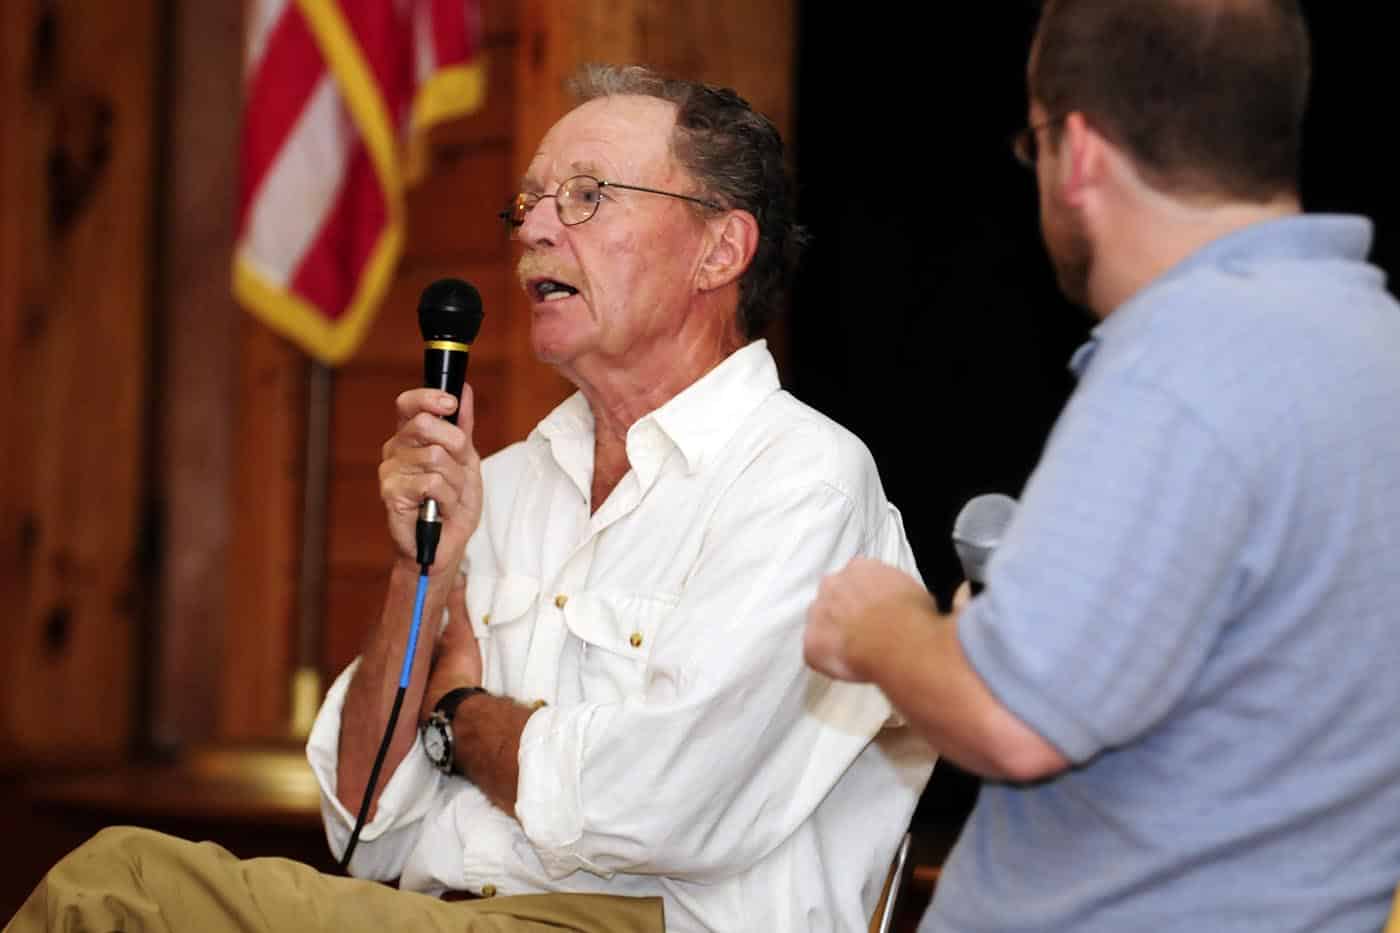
[(1259, 335), (790, 420), (788, 434)]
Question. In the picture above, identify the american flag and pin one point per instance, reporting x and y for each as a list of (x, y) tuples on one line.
[(337, 97)]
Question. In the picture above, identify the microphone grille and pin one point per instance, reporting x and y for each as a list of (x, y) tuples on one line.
[(450, 309), (978, 530)]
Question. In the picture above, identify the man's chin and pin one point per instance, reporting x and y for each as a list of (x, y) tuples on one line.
[(554, 346)]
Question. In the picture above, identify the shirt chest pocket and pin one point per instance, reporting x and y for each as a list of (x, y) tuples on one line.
[(617, 632), (498, 607)]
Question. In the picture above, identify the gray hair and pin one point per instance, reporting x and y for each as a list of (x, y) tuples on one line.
[(735, 155)]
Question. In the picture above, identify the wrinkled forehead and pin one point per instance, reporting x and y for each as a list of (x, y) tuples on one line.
[(625, 138)]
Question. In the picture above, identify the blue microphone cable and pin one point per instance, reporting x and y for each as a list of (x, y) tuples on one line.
[(404, 674), (449, 318)]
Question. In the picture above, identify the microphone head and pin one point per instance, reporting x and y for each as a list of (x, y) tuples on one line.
[(978, 530), (450, 309)]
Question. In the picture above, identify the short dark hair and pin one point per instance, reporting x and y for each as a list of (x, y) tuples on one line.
[(735, 155), (1206, 96)]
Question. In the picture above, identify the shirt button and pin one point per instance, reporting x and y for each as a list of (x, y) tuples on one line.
[(636, 639), (488, 890), (486, 619), (560, 600)]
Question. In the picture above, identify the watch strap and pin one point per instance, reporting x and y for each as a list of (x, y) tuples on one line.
[(454, 698)]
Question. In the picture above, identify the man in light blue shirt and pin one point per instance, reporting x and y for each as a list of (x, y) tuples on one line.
[(1183, 678)]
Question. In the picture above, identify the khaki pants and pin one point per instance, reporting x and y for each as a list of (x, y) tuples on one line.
[(135, 879)]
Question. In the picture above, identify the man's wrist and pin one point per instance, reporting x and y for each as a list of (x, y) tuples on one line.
[(466, 689), (441, 737)]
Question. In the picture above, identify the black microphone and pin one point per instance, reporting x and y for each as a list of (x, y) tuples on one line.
[(978, 530), (449, 316)]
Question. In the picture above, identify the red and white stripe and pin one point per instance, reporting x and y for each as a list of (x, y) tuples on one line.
[(315, 203)]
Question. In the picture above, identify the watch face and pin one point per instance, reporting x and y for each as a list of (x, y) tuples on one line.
[(437, 742)]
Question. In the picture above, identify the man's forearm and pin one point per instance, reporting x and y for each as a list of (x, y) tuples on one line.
[(913, 654), (370, 696)]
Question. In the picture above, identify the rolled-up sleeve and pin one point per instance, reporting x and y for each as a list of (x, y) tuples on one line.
[(386, 841), (699, 781)]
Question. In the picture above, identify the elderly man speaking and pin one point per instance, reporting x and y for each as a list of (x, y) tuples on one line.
[(618, 703)]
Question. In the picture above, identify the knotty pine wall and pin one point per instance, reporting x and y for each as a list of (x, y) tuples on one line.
[(78, 125), (154, 464)]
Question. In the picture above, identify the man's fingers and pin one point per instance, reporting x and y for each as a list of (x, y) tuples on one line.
[(433, 401), (425, 430), (823, 644), (412, 475), (404, 492)]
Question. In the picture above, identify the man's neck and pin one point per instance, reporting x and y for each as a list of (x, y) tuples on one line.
[(621, 395), (1158, 233)]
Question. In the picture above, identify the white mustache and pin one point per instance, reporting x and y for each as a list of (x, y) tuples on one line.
[(534, 266)]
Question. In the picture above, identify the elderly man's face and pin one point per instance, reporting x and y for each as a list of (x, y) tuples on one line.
[(627, 273)]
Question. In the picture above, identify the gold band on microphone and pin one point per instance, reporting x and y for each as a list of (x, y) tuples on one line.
[(448, 345)]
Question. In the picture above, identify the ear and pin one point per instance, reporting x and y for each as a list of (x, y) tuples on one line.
[(732, 241), (1083, 160)]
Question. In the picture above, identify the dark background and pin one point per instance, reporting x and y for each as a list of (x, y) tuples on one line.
[(926, 317)]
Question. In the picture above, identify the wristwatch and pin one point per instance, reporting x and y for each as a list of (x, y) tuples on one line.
[(437, 733)]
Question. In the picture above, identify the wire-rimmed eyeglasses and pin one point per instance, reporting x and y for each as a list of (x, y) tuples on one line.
[(576, 200), (1025, 145)]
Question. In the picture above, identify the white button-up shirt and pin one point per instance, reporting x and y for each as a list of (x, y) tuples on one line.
[(684, 750)]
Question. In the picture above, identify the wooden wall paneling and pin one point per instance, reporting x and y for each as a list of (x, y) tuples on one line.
[(16, 210), (451, 231), (264, 565), (736, 43), (452, 213), (554, 40), (551, 47), (363, 418), (198, 366), (79, 176), (474, 165), (260, 627), (494, 121), (358, 537), (500, 20), (354, 599), (18, 214), (394, 340)]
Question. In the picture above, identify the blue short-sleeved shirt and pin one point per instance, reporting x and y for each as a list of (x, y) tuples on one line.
[(1199, 604)]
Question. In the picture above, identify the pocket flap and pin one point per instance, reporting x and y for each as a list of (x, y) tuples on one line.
[(621, 623), (496, 601)]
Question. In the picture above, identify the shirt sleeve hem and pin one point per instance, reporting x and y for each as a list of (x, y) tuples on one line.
[(406, 793), (992, 663), (548, 803)]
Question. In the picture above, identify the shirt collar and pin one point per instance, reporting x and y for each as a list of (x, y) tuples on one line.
[(701, 418), (698, 420), (1297, 236)]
